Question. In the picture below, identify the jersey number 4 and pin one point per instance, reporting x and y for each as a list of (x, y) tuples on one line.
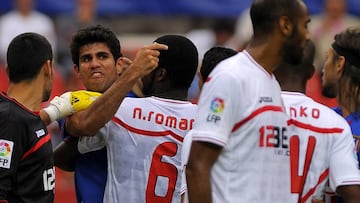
[(164, 169), (298, 181)]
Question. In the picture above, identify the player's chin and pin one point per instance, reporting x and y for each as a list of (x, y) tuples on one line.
[(97, 87)]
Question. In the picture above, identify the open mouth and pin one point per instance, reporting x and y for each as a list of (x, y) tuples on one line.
[(96, 75)]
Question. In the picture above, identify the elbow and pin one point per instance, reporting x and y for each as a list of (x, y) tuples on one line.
[(79, 129), (87, 131), (193, 170)]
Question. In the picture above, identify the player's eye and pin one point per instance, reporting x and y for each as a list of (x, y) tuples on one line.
[(85, 59), (102, 55)]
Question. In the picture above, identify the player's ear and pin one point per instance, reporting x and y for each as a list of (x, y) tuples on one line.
[(160, 74), (122, 64), (119, 65), (48, 68), (286, 26), (76, 69), (340, 64)]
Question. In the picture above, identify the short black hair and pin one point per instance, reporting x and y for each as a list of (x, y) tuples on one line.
[(180, 60), (91, 35), (265, 13), (26, 55), (212, 57)]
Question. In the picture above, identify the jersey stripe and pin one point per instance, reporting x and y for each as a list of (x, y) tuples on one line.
[(255, 113), (146, 132), (37, 146), (322, 177), (314, 128)]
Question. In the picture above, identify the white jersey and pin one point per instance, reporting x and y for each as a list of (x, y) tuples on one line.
[(322, 148), (186, 147), (144, 144), (240, 109)]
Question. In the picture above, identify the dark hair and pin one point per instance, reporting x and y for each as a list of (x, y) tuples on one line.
[(349, 83), (303, 71), (180, 60), (212, 57), (305, 68), (91, 35), (26, 55), (265, 13)]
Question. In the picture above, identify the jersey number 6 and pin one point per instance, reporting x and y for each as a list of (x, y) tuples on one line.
[(164, 169)]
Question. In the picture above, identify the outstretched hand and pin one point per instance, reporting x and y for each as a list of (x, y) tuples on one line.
[(147, 59)]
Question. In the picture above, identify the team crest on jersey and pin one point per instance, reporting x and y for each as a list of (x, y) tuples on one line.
[(6, 149), (217, 105)]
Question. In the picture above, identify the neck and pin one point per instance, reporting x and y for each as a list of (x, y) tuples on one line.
[(265, 52), (178, 94), (26, 93), (291, 83)]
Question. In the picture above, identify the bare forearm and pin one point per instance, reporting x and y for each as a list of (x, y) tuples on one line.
[(350, 193), (89, 121), (44, 117), (202, 158), (199, 187), (103, 109)]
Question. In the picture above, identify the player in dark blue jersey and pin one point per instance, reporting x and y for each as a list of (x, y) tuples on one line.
[(26, 157), (341, 78), (354, 121), (96, 54)]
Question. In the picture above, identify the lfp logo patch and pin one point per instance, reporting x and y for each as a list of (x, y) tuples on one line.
[(217, 105), (6, 148)]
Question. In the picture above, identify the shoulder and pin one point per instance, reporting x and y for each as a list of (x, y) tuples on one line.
[(305, 109)]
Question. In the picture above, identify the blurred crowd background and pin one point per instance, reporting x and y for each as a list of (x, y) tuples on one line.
[(138, 22)]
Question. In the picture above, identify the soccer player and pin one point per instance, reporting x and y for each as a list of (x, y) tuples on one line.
[(144, 141), (26, 157), (239, 151), (321, 145), (96, 54), (341, 76), (211, 58)]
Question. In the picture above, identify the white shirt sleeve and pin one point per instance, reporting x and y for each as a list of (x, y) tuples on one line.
[(216, 110), (184, 159), (93, 143), (343, 162), (186, 147)]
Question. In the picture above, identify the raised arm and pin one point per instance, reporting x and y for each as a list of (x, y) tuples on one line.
[(89, 121)]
